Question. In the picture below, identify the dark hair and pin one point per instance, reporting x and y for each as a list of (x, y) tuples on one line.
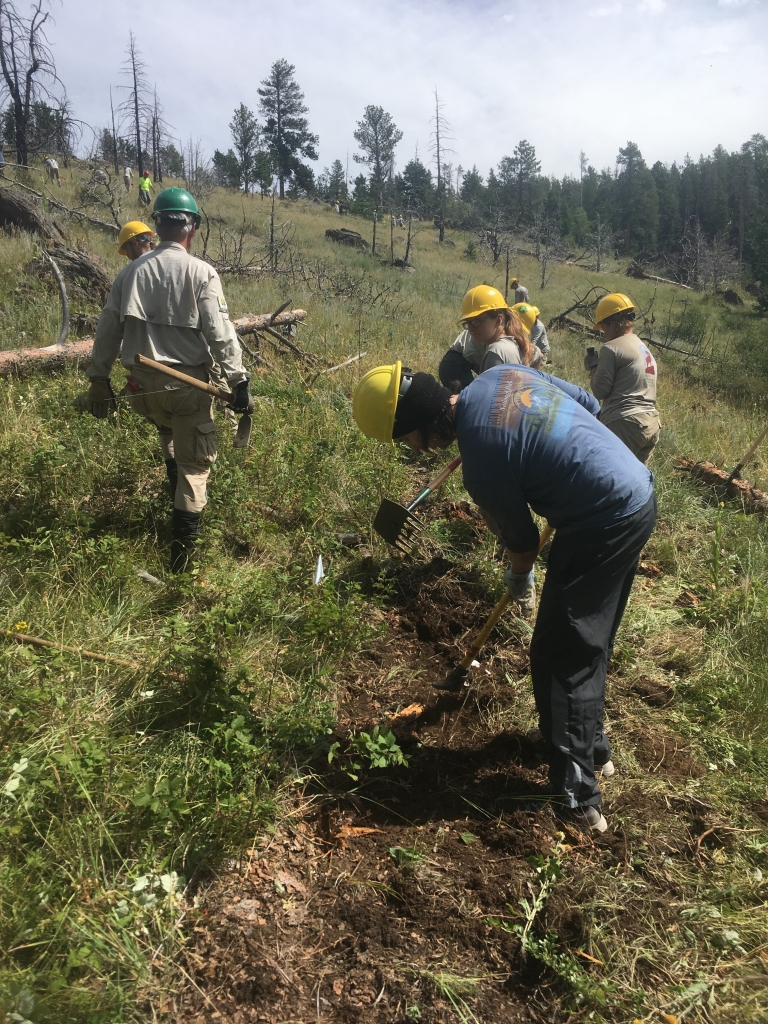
[(441, 428)]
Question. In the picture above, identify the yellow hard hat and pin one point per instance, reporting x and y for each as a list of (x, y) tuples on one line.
[(375, 400), (615, 302), (514, 282), (528, 314), (481, 299), (129, 231)]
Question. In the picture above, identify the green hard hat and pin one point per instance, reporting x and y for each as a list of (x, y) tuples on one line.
[(176, 200)]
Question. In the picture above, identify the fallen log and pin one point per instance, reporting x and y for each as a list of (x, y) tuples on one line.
[(51, 358), (636, 271), (21, 361), (18, 210), (80, 268), (724, 485), (250, 324)]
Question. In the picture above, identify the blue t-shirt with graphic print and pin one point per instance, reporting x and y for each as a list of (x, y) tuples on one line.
[(529, 439)]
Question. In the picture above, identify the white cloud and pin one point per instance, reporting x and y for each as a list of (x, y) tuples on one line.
[(605, 12), (508, 17), (651, 6), (732, 3), (396, 53)]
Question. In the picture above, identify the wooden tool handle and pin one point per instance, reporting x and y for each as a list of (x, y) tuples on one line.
[(749, 453), (498, 611), (178, 375), (444, 473)]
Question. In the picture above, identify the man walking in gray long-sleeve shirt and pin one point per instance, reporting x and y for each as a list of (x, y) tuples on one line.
[(170, 306)]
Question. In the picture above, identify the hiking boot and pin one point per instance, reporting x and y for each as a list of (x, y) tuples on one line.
[(186, 529), (583, 817)]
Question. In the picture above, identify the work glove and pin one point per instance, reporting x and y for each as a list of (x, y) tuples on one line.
[(590, 360), (100, 401), (242, 401), (522, 589)]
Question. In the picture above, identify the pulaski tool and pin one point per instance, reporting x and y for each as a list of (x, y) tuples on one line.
[(243, 433), (456, 678), (397, 524)]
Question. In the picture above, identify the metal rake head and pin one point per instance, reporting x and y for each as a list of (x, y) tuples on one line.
[(397, 525)]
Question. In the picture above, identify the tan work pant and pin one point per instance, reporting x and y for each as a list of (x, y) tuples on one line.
[(639, 433), (184, 417)]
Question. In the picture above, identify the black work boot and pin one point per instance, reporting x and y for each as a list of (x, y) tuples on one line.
[(186, 529), (172, 470)]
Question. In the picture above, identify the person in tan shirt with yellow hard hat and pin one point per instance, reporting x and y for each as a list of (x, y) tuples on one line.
[(624, 377)]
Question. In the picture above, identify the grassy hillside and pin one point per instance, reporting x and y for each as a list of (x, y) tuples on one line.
[(131, 796)]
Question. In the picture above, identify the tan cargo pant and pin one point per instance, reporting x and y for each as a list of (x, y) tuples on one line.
[(640, 433), (184, 417)]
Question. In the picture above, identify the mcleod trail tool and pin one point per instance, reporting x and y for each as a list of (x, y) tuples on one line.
[(397, 524), (455, 679), (243, 433), (747, 455)]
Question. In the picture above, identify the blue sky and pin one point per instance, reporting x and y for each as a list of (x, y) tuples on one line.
[(675, 76)]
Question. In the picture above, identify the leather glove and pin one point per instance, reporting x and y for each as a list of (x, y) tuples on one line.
[(590, 360), (101, 398), (242, 401), (522, 589)]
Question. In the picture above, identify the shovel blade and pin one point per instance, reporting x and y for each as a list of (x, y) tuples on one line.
[(243, 432), (454, 681), (396, 524)]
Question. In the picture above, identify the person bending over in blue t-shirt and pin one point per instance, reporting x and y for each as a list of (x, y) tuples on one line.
[(531, 441)]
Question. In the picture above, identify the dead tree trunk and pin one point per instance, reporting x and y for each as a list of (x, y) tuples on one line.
[(23, 211)]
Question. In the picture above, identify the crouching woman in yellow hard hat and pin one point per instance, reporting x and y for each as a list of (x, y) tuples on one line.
[(529, 439), (135, 239), (493, 334), (623, 377)]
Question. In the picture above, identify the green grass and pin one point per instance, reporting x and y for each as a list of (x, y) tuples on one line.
[(120, 786)]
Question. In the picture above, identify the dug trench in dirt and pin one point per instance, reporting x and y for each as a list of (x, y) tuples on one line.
[(529, 439)]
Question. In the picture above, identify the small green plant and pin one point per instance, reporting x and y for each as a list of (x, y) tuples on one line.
[(406, 857), (377, 749), (470, 252)]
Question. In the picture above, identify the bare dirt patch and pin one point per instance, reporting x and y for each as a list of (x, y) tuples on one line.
[(375, 898)]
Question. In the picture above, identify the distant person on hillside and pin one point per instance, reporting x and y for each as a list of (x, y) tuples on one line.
[(537, 332), (493, 334), (521, 292), (400, 221), (145, 188), (135, 239), (623, 377), (127, 178), (51, 170)]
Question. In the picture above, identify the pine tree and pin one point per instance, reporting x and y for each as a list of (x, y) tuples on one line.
[(377, 135), (524, 168), (638, 203), (286, 130), (245, 136)]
